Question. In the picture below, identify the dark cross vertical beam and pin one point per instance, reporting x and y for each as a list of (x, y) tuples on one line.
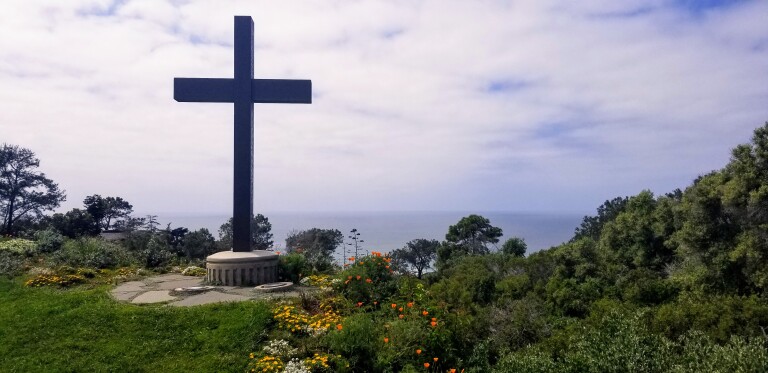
[(243, 178), (243, 91)]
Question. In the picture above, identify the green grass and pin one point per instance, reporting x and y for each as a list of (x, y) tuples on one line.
[(83, 329)]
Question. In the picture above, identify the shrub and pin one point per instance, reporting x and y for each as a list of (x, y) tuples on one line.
[(18, 246), (359, 338), (293, 267), (11, 265), (368, 280), (48, 241), (157, 253), (718, 317), (194, 271), (91, 252), (55, 280), (518, 323)]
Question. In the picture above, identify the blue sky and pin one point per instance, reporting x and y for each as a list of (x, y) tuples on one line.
[(535, 106)]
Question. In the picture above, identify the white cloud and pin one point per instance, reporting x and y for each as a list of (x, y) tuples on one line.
[(419, 105)]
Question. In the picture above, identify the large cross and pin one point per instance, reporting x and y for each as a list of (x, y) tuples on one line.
[(243, 91)]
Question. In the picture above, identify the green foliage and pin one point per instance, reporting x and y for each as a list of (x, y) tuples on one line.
[(317, 245), (260, 230), (592, 226), (360, 340), (75, 223), (474, 233), (48, 241), (417, 255), (92, 252), (198, 244), (106, 211), (514, 246), (470, 282), (515, 324), (620, 342), (576, 280), (368, 280), (18, 246), (293, 267), (24, 191), (157, 253), (11, 264), (718, 317)]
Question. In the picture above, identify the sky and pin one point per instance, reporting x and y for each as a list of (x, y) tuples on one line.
[(529, 106)]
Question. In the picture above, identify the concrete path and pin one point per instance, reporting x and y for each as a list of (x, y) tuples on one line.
[(159, 289)]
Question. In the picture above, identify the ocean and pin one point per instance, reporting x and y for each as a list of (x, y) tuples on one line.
[(387, 231)]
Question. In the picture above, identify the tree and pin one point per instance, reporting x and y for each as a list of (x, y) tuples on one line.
[(592, 226), (474, 233), (261, 237), (514, 246), (107, 210), (75, 223), (317, 245), (24, 191), (198, 244), (175, 238), (417, 254)]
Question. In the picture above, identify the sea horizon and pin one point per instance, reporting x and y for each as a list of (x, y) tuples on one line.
[(385, 231)]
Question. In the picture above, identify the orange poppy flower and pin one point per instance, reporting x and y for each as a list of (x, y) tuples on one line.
[(359, 304), (425, 313), (338, 326), (435, 359), (453, 370), (434, 319), (394, 305), (434, 324), (386, 340), (418, 352), (426, 365), (410, 304), (400, 309), (368, 280), (351, 258), (358, 277), (401, 316)]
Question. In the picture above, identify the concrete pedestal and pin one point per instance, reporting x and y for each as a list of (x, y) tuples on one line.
[(231, 268)]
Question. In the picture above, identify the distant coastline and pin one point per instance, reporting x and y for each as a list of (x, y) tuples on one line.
[(386, 231)]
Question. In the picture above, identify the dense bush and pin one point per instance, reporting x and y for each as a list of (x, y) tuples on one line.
[(620, 342), (92, 252), (18, 246), (368, 280), (293, 267), (11, 264), (48, 241)]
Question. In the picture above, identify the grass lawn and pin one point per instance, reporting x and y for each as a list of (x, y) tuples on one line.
[(82, 329)]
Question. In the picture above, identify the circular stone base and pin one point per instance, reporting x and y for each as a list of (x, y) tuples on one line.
[(231, 268), (274, 287)]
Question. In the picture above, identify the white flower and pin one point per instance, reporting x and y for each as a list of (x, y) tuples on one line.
[(295, 366), (279, 347)]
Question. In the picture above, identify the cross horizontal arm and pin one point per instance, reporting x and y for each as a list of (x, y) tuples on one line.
[(281, 91), (277, 91), (203, 90)]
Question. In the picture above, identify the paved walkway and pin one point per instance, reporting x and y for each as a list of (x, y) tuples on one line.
[(159, 289)]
